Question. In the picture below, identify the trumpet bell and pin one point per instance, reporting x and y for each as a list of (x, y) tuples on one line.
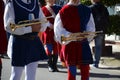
[(12, 26)]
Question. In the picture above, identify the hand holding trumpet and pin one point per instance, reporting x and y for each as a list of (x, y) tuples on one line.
[(36, 27)]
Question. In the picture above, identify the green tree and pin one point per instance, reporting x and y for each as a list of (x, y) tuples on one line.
[(106, 2)]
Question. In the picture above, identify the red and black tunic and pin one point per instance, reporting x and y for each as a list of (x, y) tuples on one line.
[(75, 19)]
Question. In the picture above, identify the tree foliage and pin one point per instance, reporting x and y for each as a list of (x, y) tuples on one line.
[(106, 2), (110, 2), (114, 27), (87, 2)]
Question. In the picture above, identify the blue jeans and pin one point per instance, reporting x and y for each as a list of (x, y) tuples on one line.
[(99, 45)]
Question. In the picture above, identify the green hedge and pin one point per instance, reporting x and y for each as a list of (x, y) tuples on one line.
[(114, 27)]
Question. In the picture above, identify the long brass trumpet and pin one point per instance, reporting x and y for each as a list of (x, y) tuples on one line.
[(28, 23), (79, 36)]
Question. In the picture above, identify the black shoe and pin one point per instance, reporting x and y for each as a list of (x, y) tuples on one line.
[(96, 65), (50, 69), (3, 55), (56, 70)]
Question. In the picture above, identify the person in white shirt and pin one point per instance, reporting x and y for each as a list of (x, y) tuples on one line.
[(24, 47)]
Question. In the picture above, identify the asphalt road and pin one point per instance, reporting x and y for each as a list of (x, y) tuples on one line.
[(103, 73)]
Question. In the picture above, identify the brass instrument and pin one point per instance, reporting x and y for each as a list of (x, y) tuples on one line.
[(28, 23), (79, 36)]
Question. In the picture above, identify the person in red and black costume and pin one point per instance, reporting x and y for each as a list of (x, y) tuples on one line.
[(50, 9), (3, 36), (75, 18)]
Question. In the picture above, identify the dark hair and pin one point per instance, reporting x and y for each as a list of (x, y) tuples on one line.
[(42, 2)]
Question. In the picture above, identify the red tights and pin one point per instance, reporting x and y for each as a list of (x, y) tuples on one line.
[(84, 72)]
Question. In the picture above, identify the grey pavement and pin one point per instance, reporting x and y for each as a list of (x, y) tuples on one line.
[(102, 73)]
